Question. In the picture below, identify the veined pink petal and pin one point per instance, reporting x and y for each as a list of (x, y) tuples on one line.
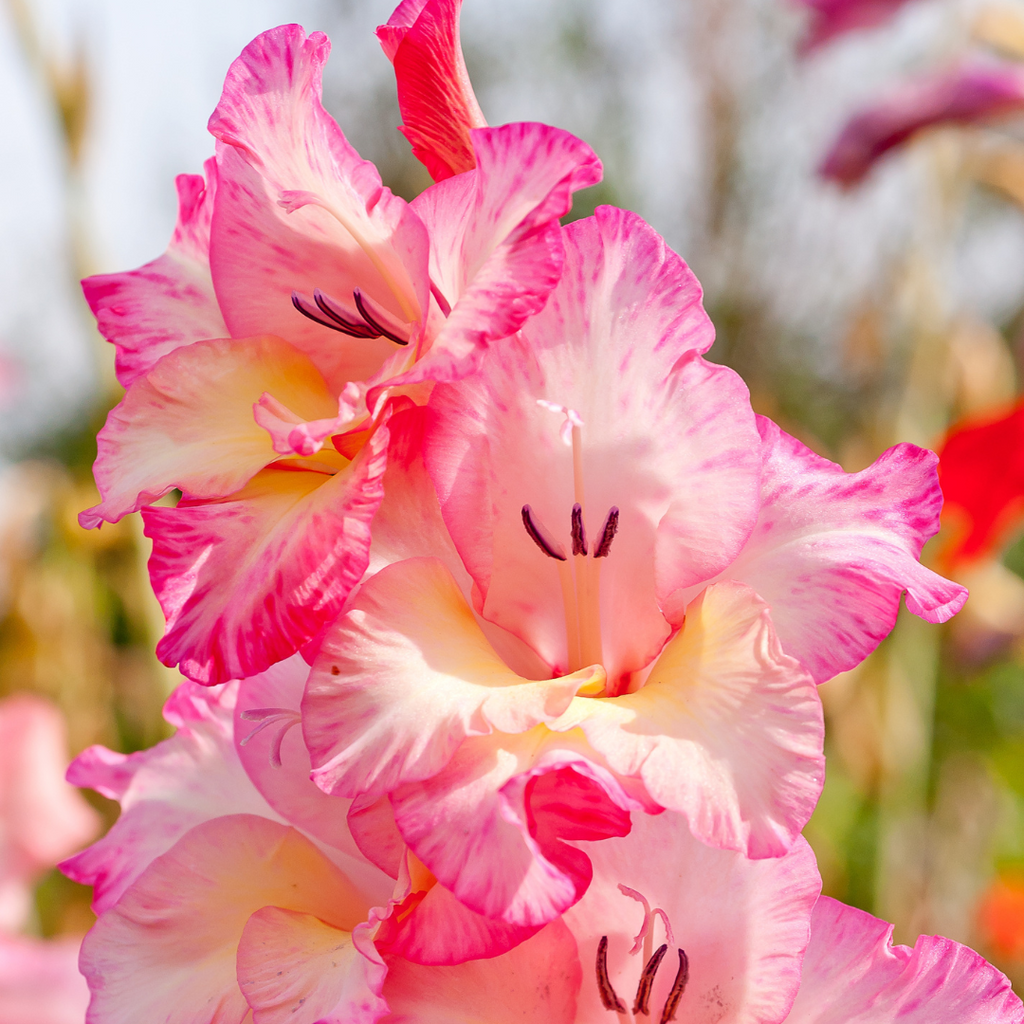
[(962, 96), (667, 438), (246, 581), (743, 924), (293, 968), (164, 791), (42, 818), (188, 423), (405, 676), (167, 950), (937, 982), (832, 551), (170, 302), (347, 232), (493, 825), (496, 248), (727, 730), (40, 982), (535, 983), (832, 18), (434, 92)]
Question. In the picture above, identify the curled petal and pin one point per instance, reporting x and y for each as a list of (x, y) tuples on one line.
[(435, 96), (937, 982), (170, 302), (493, 826), (189, 423), (405, 676), (833, 551), (962, 96), (495, 244), (727, 730), (246, 581)]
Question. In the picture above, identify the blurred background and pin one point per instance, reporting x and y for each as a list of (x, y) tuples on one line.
[(882, 301)]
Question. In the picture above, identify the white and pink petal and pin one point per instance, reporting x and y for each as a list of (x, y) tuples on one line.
[(405, 676), (853, 972), (833, 552), (169, 303), (246, 581)]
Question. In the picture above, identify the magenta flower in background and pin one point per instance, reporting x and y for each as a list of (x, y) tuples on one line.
[(965, 95), (832, 18)]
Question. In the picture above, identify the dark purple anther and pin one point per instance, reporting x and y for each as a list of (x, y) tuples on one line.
[(541, 537), (361, 305), (643, 993), (608, 531), (678, 987), (353, 327), (608, 995), (579, 531)]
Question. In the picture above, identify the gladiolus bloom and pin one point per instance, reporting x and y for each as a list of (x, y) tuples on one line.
[(259, 352), (634, 567)]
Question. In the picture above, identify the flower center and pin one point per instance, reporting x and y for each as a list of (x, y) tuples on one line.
[(652, 961), (370, 322), (581, 582)]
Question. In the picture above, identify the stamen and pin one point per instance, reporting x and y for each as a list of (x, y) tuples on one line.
[(292, 200), (678, 987), (609, 997), (441, 300), (362, 305), (267, 717), (608, 531), (540, 536), (579, 531), (353, 327), (299, 303), (643, 993)]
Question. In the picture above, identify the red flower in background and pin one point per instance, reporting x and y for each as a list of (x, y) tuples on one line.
[(981, 470), (1001, 917)]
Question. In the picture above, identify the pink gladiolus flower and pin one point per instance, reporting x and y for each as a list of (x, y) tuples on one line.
[(962, 96), (42, 818), (832, 18), (259, 351), (647, 672)]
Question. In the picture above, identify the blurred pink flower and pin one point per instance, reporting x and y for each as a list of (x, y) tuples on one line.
[(259, 352), (40, 982), (42, 817), (832, 18), (964, 95)]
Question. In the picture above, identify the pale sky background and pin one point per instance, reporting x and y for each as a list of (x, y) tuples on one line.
[(623, 74)]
